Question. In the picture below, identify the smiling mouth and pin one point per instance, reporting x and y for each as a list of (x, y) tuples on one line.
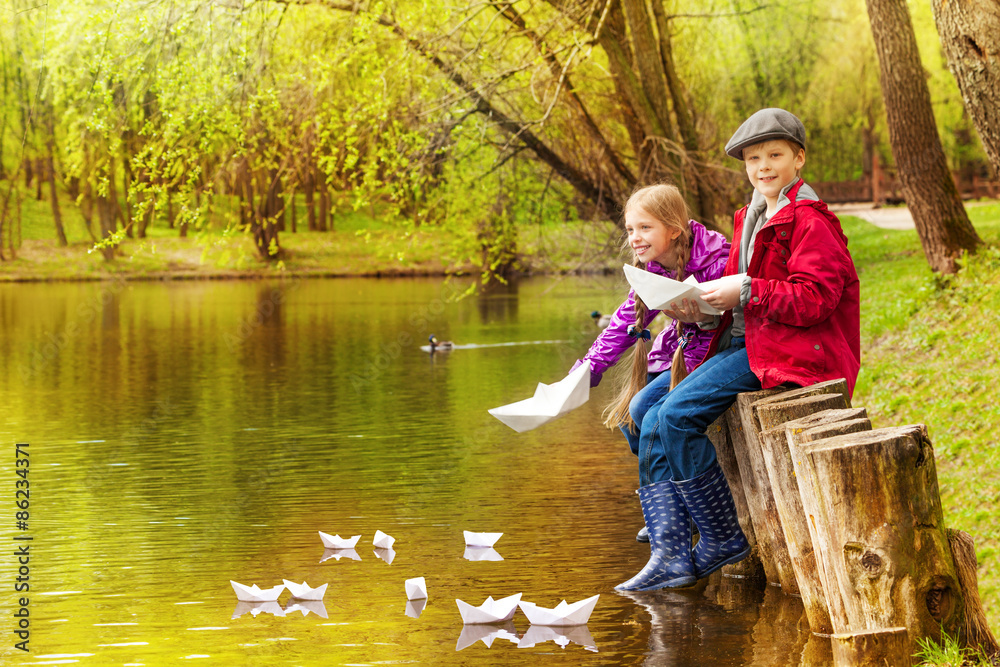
[(640, 249)]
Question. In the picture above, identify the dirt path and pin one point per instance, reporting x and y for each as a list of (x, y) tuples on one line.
[(887, 218)]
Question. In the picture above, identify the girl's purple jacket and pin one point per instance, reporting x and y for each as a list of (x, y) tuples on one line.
[(709, 252)]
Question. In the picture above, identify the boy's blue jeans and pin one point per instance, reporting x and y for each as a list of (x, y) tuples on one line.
[(671, 443)]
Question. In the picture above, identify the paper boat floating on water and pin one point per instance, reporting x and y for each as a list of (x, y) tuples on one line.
[(303, 591), (539, 634), (339, 553), (338, 542), (307, 607), (415, 607), (255, 594), (658, 292), (271, 607), (562, 614), (416, 588), (481, 553), (491, 611), (382, 541), (385, 554), (481, 539), (486, 634), (550, 401)]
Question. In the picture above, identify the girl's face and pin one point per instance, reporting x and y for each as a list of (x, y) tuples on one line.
[(649, 238)]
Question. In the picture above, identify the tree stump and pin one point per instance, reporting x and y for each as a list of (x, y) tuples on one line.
[(785, 487), (744, 430), (750, 567), (827, 423), (763, 516), (884, 531), (884, 647)]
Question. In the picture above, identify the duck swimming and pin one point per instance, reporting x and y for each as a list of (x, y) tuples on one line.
[(601, 321), (439, 344)]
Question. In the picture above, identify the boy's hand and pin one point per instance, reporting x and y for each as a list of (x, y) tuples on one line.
[(686, 311), (725, 292)]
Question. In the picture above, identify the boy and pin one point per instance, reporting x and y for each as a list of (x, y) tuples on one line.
[(791, 301)]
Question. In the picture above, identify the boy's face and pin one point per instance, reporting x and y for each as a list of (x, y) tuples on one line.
[(771, 166)]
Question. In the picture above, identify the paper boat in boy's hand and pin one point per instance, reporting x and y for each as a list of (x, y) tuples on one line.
[(416, 588), (658, 291), (255, 594), (491, 611), (550, 401), (303, 591), (338, 542), (382, 541), (562, 614), (480, 539)]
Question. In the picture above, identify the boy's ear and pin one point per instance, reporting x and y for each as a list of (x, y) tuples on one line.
[(800, 158)]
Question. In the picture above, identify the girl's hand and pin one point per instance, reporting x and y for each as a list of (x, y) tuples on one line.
[(686, 311), (725, 293)]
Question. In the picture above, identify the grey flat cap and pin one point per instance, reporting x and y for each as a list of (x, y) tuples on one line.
[(765, 125)]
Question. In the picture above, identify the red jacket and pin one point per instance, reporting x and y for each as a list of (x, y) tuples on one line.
[(803, 319)]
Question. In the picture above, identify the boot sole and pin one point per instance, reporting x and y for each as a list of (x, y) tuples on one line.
[(681, 582)]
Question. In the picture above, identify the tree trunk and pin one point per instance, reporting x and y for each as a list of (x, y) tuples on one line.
[(56, 212), (970, 35), (106, 208), (892, 560), (930, 192), (310, 196)]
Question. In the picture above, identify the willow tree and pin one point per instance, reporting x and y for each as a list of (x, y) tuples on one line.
[(928, 187)]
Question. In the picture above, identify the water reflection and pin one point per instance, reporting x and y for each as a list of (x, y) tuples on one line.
[(415, 607), (253, 608), (481, 553), (386, 555), (487, 634), (562, 636), (337, 554), (307, 607)]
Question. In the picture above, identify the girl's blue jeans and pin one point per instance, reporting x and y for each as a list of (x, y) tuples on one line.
[(671, 443)]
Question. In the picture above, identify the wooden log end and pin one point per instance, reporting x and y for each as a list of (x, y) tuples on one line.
[(871, 648)]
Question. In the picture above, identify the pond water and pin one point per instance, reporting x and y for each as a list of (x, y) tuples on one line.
[(182, 435)]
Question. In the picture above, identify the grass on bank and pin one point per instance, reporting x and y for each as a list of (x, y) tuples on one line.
[(361, 243)]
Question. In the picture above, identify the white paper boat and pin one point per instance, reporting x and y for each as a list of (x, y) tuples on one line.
[(481, 539), (563, 614), (481, 553), (339, 553), (307, 607), (385, 554), (491, 611), (486, 634), (338, 542), (271, 607), (416, 588), (658, 292), (255, 594), (539, 634), (550, 401), (303, 591), (382, 541), (415, 607)]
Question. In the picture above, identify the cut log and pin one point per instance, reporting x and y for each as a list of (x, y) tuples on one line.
[(976, 631), (827, 423), (763, 516), (744, 429), (883, 647), (750, 567), (883, 526), (785, 487)]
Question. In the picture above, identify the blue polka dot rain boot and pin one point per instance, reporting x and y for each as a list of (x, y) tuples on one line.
[(670, 564), (710, 502)]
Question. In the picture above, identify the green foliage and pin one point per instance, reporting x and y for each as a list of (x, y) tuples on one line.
[(949, 653)]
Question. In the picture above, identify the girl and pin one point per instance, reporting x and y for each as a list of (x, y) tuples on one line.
[(665, 242)]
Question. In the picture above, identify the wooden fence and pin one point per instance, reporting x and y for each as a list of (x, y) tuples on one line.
[(849, 518), (882, 186)]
